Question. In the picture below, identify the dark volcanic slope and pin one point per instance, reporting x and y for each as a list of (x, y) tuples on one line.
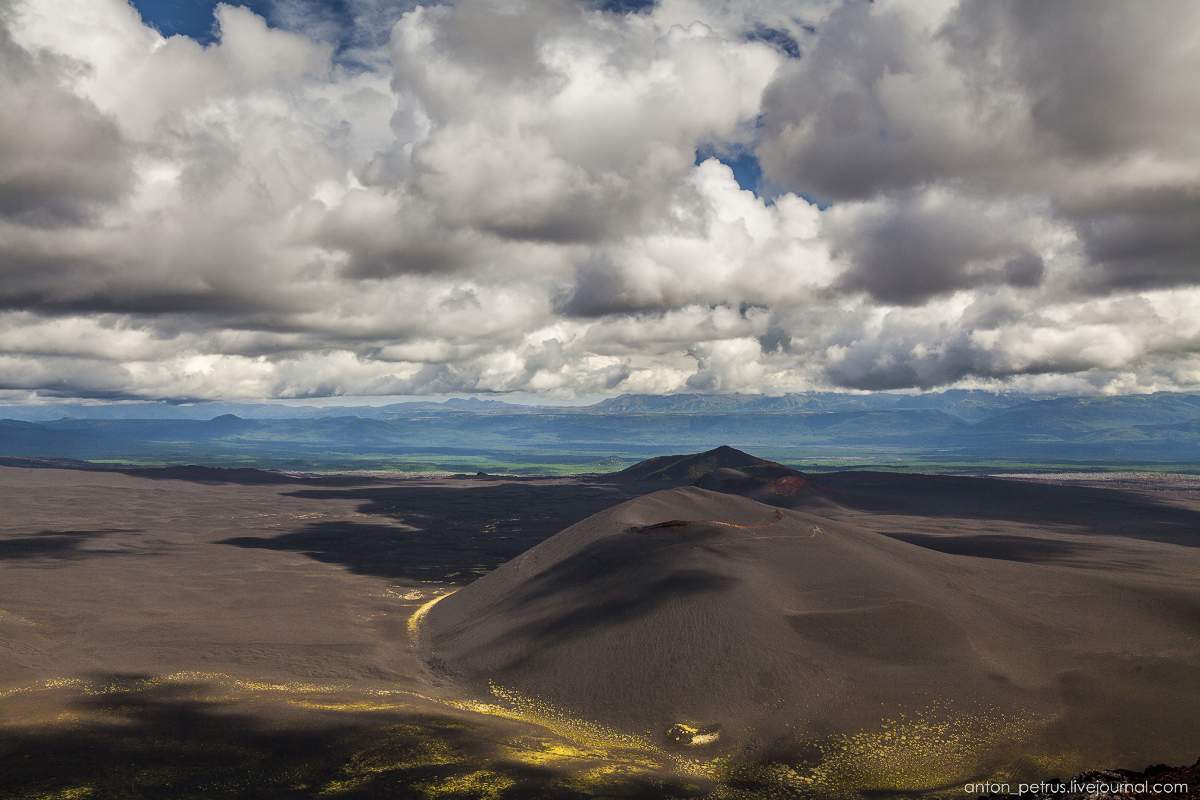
[(684, 469), (728, 470), (688, 605)]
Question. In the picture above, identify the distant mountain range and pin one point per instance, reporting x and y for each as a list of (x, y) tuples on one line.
[(947, 426), (970, 405), (206, 411), (967, 405)]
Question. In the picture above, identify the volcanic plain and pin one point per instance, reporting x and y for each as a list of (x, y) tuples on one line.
[(695, 626)]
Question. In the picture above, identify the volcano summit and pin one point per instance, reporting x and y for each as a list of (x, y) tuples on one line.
[(752, 628)]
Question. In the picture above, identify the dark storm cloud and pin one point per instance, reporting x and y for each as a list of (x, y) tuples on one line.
[(68, 271), (1109, 83), (884, 102), (900, 360), (600, 289), (1140, 239), (384, 235), (61, 160), (1103, 77), (828, 132), (1071, 102), (1025, 270), (909, 251)]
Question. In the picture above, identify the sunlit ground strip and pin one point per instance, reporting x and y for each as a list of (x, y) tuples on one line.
[(418, 616), (589, 754), (94, 689), (599, 740), (776, 517), (920, 753), (927, 751)]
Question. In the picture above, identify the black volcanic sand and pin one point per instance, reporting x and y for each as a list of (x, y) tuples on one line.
[(730, 471), (219, 634), (213, 634), (886, 651)]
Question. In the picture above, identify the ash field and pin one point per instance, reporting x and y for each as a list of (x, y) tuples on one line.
[(712, 625)]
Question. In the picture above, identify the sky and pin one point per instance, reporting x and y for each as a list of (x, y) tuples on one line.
[(294, 199), (192, 18)]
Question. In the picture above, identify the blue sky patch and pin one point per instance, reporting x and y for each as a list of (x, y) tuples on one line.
[(815, 201), (746, 169), (193, 18), (624, 6), (778, 38)]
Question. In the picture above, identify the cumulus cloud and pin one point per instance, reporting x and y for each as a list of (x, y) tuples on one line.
[(1087, 107), (61, 159), (407, 197), (549, 122), (909, 250)]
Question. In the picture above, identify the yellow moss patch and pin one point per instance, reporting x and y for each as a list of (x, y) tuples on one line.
[(911, 754), (347, 706), (403, 747), (536, 751), (73, 793), (481, 785)]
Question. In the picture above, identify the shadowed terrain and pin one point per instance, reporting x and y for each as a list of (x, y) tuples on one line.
[(764, 633), (443, 530), (134, 737), (57, 545), (1007, 548), (1103, 511), (692, 607)]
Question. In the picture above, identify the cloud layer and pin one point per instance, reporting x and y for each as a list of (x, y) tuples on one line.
[(492, 197)]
